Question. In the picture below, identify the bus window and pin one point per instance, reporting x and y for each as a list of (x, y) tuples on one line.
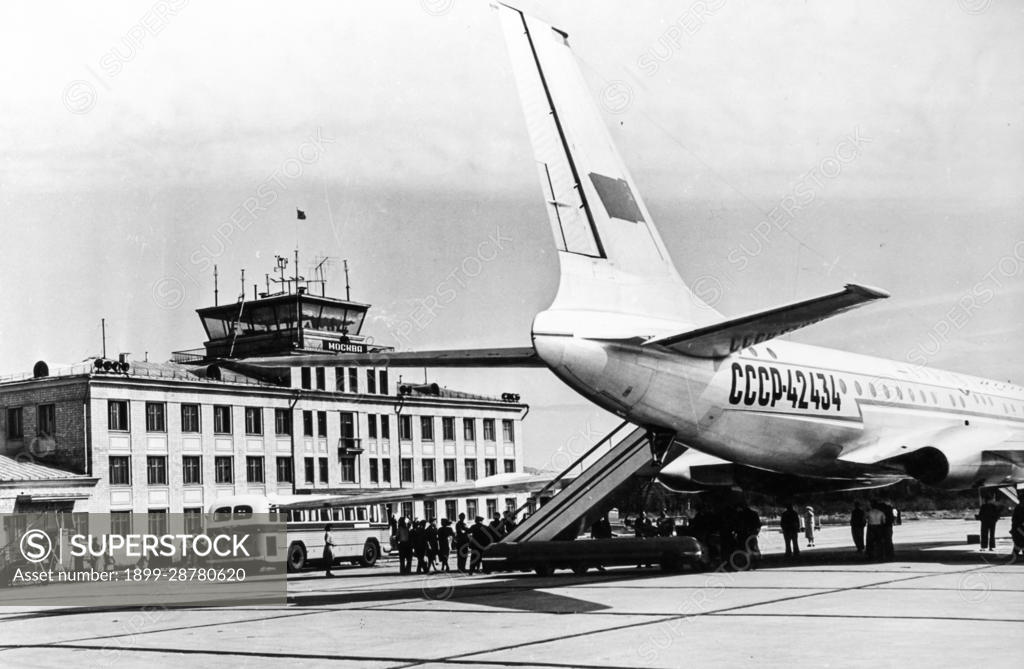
[(348, 513), (335, 515), (243, 511), (361, 513), (325, 514), (222, 513)]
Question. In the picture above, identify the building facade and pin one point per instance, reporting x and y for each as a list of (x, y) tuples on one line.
[(174, 437)]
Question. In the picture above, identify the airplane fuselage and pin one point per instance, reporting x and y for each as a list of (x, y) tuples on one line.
[(799, 409)]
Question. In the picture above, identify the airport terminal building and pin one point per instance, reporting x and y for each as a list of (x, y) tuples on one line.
[(131, 436)]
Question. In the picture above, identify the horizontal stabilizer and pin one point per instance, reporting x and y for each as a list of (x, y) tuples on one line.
[(523, 356), (722, 339)]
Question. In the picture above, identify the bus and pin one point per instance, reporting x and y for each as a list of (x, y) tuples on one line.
[(360, 532)]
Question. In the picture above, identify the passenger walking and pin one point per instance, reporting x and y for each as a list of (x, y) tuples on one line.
[(857, 523), (988, 514), (790, 524), (480, 537), (444, 543), (876, 524), (809, 526), (431, 541), (328, 556), (419, 545), (461, 543), (403, 537)]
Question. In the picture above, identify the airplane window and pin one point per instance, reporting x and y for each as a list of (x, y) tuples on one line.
[(856, 385), (842, 386), (752, 352), (871, 387), (885, 391), (899, 392), (952, 401), (962, 403), (935, 400), (910, 391), (772, 353)]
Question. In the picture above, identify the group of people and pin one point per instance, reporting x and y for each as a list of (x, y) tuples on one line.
[(729, 531), (989, 514), (872, 529), (432, 546)]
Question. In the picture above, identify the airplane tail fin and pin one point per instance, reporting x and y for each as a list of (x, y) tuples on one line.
[(611, 257)]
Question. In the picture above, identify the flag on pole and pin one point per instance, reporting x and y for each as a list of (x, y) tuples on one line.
[(301, 215)]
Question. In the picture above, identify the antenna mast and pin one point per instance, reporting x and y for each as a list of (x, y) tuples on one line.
[(348, 291)]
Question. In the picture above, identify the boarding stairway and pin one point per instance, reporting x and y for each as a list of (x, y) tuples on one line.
[(630, 460)]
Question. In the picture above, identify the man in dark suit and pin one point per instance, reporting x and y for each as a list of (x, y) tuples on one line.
[(857, 523), (790, 522)]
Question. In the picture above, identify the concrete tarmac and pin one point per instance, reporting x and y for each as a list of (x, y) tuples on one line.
[(939, 603)]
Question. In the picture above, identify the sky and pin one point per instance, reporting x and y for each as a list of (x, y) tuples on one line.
[(783, 150)]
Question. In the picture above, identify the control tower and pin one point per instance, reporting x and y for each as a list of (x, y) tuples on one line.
[(291, 320)]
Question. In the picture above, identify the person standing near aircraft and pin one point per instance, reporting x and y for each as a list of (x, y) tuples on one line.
[(480, 537), (857, 523), (809, 526), (988, 514), (444, 543), (430, 533), (404, 538), (1017, 529), (876, 521), (790, 522)]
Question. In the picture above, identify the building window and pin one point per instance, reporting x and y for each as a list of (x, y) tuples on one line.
[(488, 429), (121, 522), (470, 466), (223, 468), (492, 507), (405, 427), (449, 470), (385, 426), (157, 521), (348, 430), (510, 466), (193, 520), (371, 426), (371, 382), (490, 467), (428, 471), (191, 470), (383, 385), (307, 423), (510, 505), (284, 469), (190, 418), (323, 470), (155, 418), (253, 420), (46, 420), (468, 429), (472, 508), (353, 380), (429, 509), (321, 423), (427, 428), (405, 470), (156, 470), (221, 419), (508, 431), (15, 424), (307, 383), (451, 509), (374, 473), (282, 421), (385, 471), (310, 470), (117, 415), (348, 469), (321, 378), (448, 428), (120, 470), (254, 468), (407, 510)]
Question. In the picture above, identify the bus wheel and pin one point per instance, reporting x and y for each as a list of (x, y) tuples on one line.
[(296, 557), (370, 554), (543, 569), (579, 569)]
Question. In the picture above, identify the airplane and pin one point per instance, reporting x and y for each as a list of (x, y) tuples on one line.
[(752, 410)]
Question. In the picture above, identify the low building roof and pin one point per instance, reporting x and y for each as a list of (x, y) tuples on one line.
[(12, 470)]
